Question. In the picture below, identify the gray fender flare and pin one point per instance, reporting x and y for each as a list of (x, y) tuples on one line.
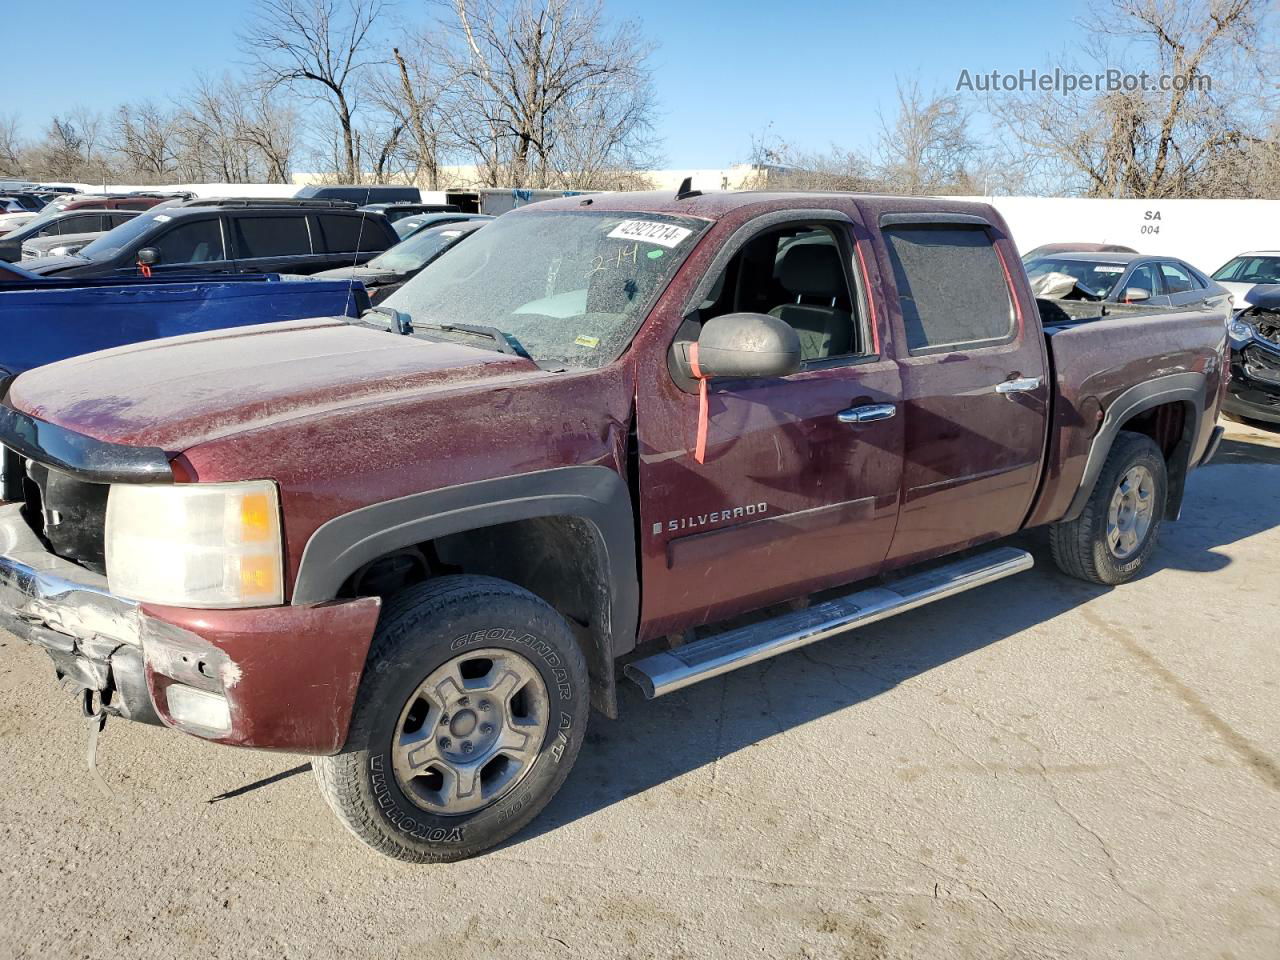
[(596, 495), (1175, 388)]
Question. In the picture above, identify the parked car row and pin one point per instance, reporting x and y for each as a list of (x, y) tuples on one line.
[(1250, 282)]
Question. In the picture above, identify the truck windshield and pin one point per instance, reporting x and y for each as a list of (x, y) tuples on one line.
[(569, 287)]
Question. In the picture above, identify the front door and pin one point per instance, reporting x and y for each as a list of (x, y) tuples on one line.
[(974, 384), (791, 497)]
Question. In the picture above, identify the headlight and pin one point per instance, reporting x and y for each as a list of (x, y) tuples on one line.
[(196, 544), (1239, 331)]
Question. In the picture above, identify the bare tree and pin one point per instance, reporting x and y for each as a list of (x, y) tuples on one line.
[(926, 148), (146, 136), (11, 146), (323, 49), (60, 155), (541, 85), (411, 97), (1188, 132), (272, 128)]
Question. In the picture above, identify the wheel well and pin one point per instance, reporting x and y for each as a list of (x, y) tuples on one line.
[(560, 559), (1172, 427)]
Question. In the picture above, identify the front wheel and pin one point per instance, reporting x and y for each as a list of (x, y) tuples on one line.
[(472, 709), (1116, 533)]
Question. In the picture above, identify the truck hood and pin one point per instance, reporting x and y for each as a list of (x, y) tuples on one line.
[(179, 392)]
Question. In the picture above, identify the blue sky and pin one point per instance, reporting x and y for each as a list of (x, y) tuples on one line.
[(723, 70)]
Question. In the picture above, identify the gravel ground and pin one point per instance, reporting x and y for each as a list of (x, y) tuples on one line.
[(1036, 769)]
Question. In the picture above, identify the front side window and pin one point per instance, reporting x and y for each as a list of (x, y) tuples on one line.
[(258, 237), (569, 286), (1144, 278), (952, 286), (191, 242), (798, 274), (1176, 279)]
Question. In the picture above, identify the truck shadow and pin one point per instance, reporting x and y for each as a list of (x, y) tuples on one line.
[(659, 741)]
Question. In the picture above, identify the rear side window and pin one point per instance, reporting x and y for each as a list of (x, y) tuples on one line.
[(191, 242), (116, 219), (271, 237), (952, 286), (1178, 280), (354, 234)]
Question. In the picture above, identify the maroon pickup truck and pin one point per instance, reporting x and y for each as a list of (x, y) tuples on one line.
[(421, 545)]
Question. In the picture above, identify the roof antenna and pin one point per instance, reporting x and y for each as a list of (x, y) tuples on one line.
[(686, 191)]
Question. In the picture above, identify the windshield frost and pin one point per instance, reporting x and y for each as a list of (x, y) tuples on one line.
[(567, 286)]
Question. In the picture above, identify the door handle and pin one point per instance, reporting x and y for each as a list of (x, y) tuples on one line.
[(1019, 385), (867, 414)]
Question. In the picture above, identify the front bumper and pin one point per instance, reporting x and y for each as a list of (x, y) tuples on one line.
[(288, 674), (1253, 396)]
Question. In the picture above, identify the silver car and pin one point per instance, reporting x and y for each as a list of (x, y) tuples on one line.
[(1129, 278), (59, 245)]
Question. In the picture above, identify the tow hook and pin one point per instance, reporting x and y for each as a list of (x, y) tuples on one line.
[(93, 709)]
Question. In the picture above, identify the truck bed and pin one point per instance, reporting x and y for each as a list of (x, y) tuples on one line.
[(1094, 364)]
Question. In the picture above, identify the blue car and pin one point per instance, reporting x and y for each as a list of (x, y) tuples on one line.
[(46, 319)]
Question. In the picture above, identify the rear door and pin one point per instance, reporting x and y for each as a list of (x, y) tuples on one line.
[(973, 363), (792, 496), (272, 242)]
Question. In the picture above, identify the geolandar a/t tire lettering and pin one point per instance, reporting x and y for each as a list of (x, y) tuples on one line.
[(470, 714)]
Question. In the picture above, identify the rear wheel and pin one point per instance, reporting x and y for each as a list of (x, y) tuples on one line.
[(472, 709), (1116, 533)]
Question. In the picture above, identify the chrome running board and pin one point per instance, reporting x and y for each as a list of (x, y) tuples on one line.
[(722, 652)]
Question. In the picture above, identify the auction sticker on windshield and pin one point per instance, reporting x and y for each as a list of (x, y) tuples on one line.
[(650, 231)]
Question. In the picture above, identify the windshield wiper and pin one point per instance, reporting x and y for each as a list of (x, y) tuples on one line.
[(400, 322), (506, 343)]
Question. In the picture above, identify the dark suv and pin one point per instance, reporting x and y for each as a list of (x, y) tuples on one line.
[(228, 237), (59, 224)]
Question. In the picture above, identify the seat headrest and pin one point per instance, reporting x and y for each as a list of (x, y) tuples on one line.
[(810, 270)]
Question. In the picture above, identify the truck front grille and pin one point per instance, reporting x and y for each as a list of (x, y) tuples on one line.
[(70, 515), (1261, 365)]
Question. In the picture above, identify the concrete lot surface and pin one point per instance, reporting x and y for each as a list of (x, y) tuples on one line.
[(1036, 769)]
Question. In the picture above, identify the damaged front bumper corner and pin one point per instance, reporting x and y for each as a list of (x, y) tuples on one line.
[(92, 636), (279, 678)]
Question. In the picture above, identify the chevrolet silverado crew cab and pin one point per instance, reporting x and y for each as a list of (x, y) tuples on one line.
[(420, 545)]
